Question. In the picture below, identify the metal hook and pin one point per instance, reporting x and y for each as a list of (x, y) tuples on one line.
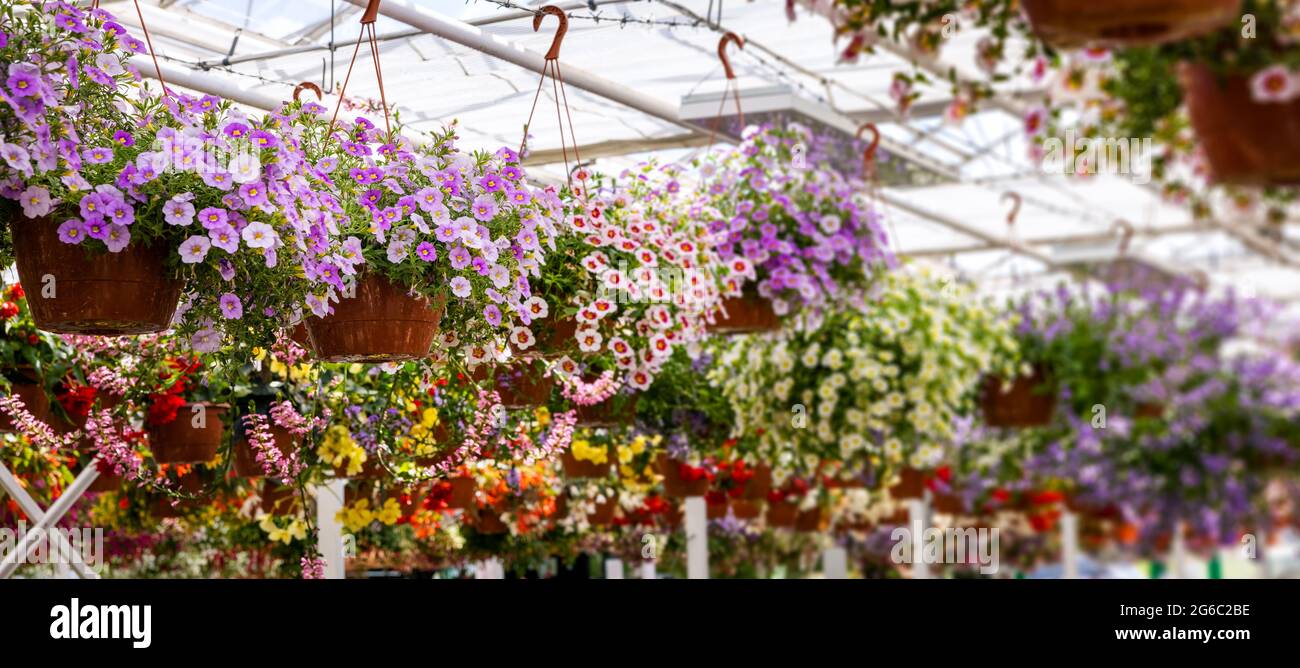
[(869, 155), (371, 13), (722, 51), (307, 85), (1015, 206), (1126, 235), (554, 52)]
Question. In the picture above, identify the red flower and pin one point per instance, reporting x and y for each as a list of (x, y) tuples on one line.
[(163, 407), (8, 310), (1001, 495), (16, 292), (715, 498), (1045, 498)]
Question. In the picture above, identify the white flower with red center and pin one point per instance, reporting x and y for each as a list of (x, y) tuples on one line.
[(522, 338), (616, 280), (579, 223), (657, 293), (589, 340), (1035, 121), (648, 356), (619, 346), (687, 247), (477, 355), (597, 215), (566, 366), (448, 339), (602, 307), (612, 235), (1274, 84), (732, 287), (595, 261), (537, 308), (650, 227), (647, 257), (625, 362), (628, 245), (595, 240), (660, 346), (633, 291), (588, 316), (659, 316), (640, 378), (743, 267), (669, 254)]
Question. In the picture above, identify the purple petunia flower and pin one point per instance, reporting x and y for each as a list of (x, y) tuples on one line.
[(485, 207), (71, 231), (235, 130), (97, 155), (490, 182), (118, 238), (35, 201), (231, 307), (178, 211), (225, 238), (460, 257), (96, 229), (213, 218), (262, 139), (426, 251), (123, 138), (254, 193), (492, 314), (461, 287)]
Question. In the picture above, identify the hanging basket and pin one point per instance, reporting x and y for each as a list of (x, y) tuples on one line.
[(301, 336), (73, 290), (745, 509), (181, 442), (1030, 401), (462, 492), (603, 515), (1071, 24), (489, 522), (611, 412), (758, 485), (278, 499), (748, 314), (245, 464), (810, 521), (382, 323), (555, 339), (1244, 142), (674, 484), (910, 485), (519, 386), (34, 399), (575, 468), (782, 514)]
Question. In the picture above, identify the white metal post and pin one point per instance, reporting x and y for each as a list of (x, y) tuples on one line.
[(329, 531), (835, 563), (916, 515), (45, 520), (697, 539), (648, 570), (1069, 545), (1178, 552), (613, 569)]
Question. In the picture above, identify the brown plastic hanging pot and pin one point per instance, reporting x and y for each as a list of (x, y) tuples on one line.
[(89, 292), (381, 323), (782, 514), (575, 468), (181, 442), (34, 399), (1029, 402), (675, 485), (747, 314), (810, 521), (245, 464), (759, 484), (603, 515), (278, 499), (1072, 24), (611, 412), (1244, 142), (519, 385), (745, 509)]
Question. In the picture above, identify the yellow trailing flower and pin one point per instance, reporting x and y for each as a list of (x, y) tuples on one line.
[(582, 449), (390, 513), (337, 447), (543, 416), (356, 516)]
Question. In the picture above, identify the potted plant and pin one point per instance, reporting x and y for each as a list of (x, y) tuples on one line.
[(801, 231), (27, 357)]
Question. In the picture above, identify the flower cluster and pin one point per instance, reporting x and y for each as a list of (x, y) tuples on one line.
[(805, 232)]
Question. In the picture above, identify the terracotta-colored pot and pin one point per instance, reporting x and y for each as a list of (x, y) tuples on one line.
[(518, 385), (715, 509), (757, 487), (180, 442), (1245, 142), (462, 492), (489, 522), (1071, 24), (810, 520), (107, 481), (782, 514), (278, 499), (948, 504), (106, 294), (746, 315), (245, 464), (382, 323), (1029, 403), (1149, 410), (34, 399), (745, 509), (609, 413), (674, 484), (299, 335), (910, 485), (555, 339), (603, 515), (575, 468)]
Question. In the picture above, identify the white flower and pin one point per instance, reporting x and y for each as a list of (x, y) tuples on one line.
[(245, 168), (259, 235), (1274, 84)]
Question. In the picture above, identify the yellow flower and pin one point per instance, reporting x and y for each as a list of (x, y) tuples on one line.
[(543, 416), (390, 513), (356, 516), (582, 449)]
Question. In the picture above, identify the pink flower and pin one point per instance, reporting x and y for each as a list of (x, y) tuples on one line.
[(1274, 84)]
